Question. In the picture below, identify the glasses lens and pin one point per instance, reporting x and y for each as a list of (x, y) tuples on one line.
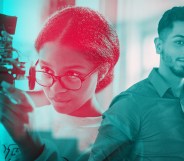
[(71, 82), (44, 79)]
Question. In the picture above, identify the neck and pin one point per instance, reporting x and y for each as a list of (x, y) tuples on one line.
[(174, 81), (90, 109)]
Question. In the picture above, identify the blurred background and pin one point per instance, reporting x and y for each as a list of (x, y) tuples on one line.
[(135, 21)]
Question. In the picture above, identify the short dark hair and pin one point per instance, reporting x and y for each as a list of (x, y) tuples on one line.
[(169, 17)]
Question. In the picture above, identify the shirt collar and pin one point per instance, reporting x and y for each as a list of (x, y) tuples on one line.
[(158, 82)]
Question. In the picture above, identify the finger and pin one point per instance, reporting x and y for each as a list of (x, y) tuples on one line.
[(9, 109), (16, 120), (17, 132), (17, 96), (18, 108), (15, 117), (9, 88), (10, 93), (14, 114), (12, 119)]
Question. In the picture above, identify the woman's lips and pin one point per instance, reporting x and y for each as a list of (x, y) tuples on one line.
[(60, 99)]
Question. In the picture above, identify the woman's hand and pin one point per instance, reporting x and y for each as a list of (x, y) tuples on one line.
[(14, 108)]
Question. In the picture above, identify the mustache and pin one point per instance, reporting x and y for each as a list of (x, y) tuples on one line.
[(180, 59)]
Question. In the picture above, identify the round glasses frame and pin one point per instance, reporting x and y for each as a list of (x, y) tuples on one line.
[(55, 78)]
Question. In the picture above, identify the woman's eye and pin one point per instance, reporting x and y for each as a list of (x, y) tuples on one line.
[(73, 74), (46, 69)]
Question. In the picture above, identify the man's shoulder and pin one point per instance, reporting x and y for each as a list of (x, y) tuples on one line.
[(136, 94), (142, 88)]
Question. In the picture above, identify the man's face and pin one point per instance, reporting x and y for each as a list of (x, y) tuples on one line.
[(172, 49)]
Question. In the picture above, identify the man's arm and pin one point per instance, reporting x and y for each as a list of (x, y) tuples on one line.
[(118, 130)]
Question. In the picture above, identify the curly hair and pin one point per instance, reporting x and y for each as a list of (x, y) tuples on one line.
[(86, 31)]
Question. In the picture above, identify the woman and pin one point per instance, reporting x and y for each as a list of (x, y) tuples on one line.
[(77, 53)]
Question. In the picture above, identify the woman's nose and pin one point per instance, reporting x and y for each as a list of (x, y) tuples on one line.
[(58, 86)]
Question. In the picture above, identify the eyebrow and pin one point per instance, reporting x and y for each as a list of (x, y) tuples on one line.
[(181, 36), (69, 67)]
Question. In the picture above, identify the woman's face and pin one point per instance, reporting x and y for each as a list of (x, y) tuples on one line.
[(59, 60)]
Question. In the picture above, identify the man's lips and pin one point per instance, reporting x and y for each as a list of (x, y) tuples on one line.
[(180, 59)]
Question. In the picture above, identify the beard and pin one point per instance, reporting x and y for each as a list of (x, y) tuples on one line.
[(177, 70)]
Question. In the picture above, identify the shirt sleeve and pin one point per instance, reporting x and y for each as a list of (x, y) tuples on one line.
[(118, 130), (49, 153)]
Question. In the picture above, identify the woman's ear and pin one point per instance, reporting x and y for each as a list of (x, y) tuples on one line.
[(158, 45), (103, 70)]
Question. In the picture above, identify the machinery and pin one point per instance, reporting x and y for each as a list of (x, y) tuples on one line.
[(10, 66)]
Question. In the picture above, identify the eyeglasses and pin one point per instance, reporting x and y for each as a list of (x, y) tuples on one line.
[(71, 82)]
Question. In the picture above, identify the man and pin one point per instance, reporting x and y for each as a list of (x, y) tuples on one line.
[(146, 122)]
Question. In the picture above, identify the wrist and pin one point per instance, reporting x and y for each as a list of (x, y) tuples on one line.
[(31, 147)]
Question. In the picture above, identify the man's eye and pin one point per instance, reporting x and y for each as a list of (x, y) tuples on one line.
[(180, 42)]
